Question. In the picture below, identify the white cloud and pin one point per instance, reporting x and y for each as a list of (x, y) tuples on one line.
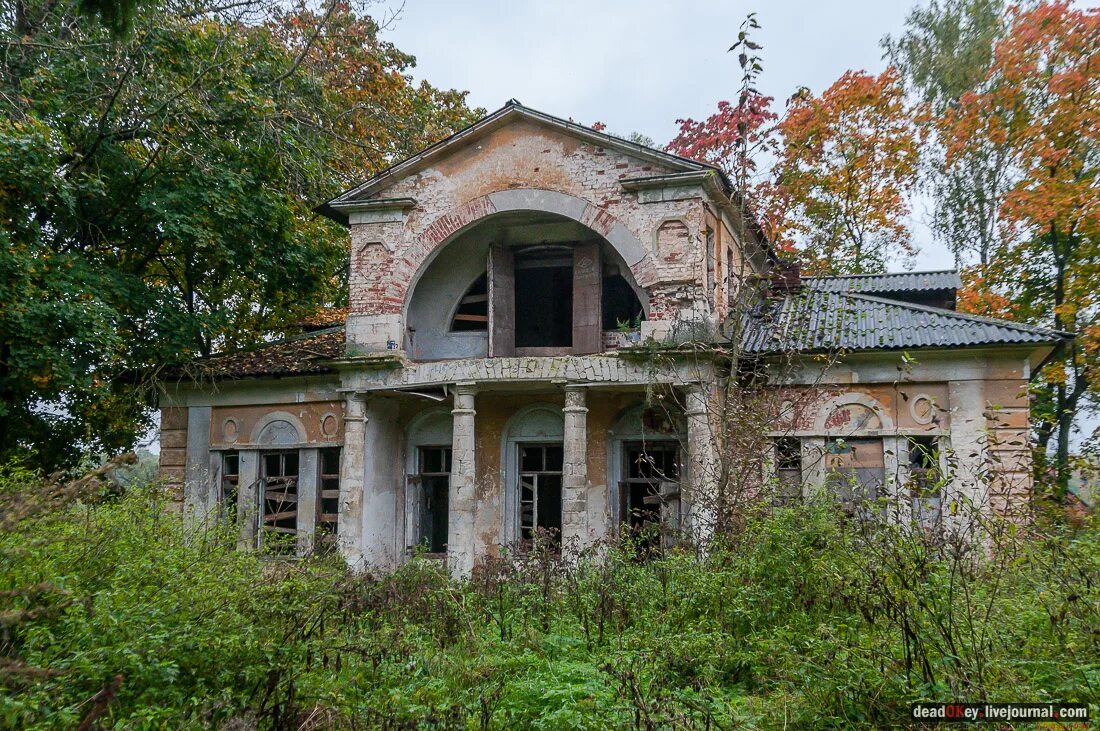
[(638, 66)]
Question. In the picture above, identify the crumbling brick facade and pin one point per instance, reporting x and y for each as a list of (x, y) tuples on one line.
[(446, 418)]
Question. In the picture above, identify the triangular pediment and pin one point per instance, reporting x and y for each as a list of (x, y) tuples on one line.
[(511, 113)]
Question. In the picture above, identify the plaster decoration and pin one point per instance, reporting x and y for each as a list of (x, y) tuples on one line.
[(922, 408), (279, 432)]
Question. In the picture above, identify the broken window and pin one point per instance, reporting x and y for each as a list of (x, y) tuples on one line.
[(925, 480), (712, 258), (855, 471), (540, 470), (434, 477), (472, 314), (279, 502), (328, 501), (619, 304), (649, 495), (231, 473), (788, 470), (544, 297)]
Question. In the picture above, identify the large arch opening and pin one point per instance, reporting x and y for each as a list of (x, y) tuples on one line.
[(522, 282)]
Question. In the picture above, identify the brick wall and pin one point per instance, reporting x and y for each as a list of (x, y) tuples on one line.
[(386, 257), (173, 449)]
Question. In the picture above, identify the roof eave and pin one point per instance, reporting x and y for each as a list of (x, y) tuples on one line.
[(332, 208)]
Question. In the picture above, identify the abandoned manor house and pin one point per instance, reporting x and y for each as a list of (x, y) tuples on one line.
[(520, 353)]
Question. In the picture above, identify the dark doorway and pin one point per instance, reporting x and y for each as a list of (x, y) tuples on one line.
[(434, 473), (544, 297), (540, 468)]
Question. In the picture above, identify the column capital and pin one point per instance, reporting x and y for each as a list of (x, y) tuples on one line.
[(354, 406), (465, 388), (575, 399), (696, 399)]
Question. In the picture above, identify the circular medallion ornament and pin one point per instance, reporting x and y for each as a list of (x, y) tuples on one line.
[(230, 431), (922, 408), (329, 425)]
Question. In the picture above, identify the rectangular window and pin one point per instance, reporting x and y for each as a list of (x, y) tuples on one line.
[(855, 470), (788, 470), (544, 297), (649, 492), (231, 473), (540, 470), (433, 466), (279, 501), (712, 257), (328, 502), (925, 480)]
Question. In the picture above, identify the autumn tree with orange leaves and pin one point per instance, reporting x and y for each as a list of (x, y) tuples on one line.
[(1041, 101), (848, 163)]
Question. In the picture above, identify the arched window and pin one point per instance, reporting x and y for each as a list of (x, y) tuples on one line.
[(472, 314), (534, 454)]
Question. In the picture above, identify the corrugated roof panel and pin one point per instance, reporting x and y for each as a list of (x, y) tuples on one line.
[(889, 282), (821, 320)]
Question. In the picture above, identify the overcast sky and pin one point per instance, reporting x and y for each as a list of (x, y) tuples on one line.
[(639, 65)]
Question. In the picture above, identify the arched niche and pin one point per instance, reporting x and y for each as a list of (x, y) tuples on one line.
[(446, 286), (533, 424), (852, 413), (277, 429)]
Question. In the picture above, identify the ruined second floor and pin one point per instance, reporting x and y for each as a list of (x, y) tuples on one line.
[(529, 235)]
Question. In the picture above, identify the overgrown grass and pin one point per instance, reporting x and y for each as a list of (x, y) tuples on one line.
[(801, 620)]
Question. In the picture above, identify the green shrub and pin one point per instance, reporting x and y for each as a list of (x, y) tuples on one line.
[(803, 618)]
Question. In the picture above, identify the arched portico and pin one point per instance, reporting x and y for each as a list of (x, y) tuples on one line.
[(449, 305), (446, 227)]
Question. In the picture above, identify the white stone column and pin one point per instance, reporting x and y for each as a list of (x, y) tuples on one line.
[(200, 498), (350, 531), (575, 531), (701, 496), (309, 478), (248, 497), (969, 445), (462, 497)]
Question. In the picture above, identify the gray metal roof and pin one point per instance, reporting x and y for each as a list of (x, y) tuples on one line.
[(815, 320), (947, 279)]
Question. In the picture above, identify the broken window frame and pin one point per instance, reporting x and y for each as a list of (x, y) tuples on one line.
[(788, 469), (328, 494), (229, 492), (663, 489), (445, 461), (271, 537), (527, 530), (472, 313)]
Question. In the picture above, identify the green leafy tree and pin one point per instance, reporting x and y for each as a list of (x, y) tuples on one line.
[(1039, 101), (945, 52), (157, 194)]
